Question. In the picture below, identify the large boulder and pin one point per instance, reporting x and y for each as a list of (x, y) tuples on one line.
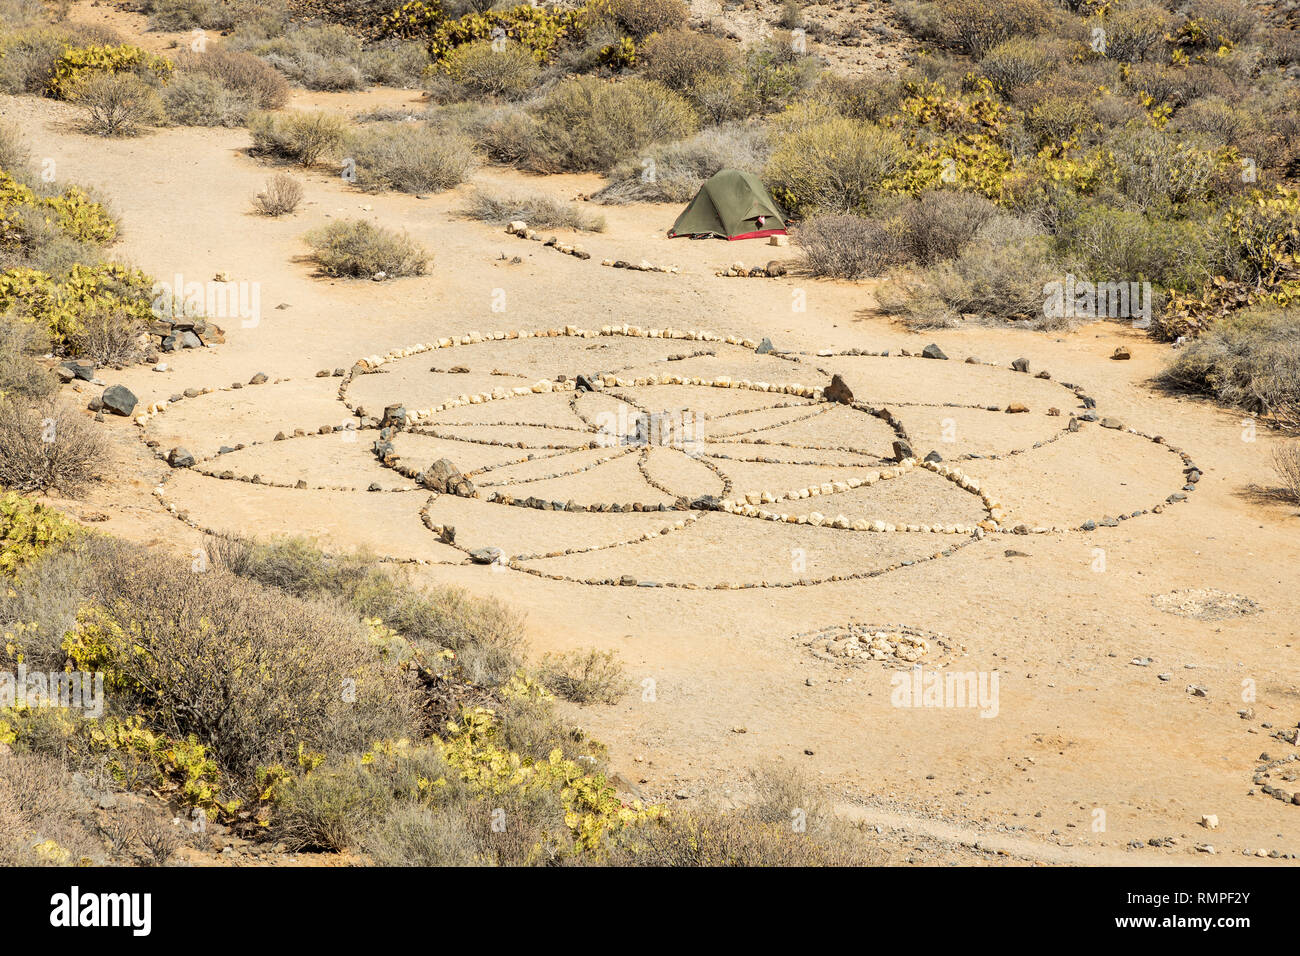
[(119, 400), (445, 478), (837, 391), (932, 351), (394, 417), (180, 458)]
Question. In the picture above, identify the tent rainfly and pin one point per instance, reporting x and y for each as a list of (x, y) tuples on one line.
[(730, 205)]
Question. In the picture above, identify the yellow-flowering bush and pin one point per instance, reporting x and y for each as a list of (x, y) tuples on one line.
[(61, 304), (27, 529), (75, 63), (74, 213), (592, 807)]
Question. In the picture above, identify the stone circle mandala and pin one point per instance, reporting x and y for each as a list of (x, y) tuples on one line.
[(665, 458)]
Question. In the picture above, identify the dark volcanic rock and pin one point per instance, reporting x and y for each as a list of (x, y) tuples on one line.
[(837, 391), (119, 400)]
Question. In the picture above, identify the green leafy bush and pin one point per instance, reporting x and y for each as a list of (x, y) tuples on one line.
[(584, 123), (356, 248), (537, 209), (304, 137), (479, 69), (836, 165), (1250, 361), (409, 157)]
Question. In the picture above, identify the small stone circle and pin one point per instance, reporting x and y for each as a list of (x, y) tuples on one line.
[(1205, 604)]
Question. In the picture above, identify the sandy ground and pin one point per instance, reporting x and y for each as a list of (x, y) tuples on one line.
[(1088, 752)]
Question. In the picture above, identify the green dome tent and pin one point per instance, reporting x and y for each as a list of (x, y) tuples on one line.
[(730, 205)]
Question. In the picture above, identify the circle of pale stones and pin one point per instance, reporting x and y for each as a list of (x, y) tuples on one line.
[(777, 505)]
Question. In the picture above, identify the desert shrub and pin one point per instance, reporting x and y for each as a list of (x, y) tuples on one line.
[(585, 677), (48, 447), (775, 75), (979, 25), (27, 59), (939, 223), (1216, 117), (505, 134), (860, 97), (1286, 464), (198, 99), (252, 17), (280, 197), (409, 157), (116, 104), (844, 246), (44, 819), (355, 248), (241, 73), (256, 677), (1015, 62), (1117, 244), (77, 65), (1156, 170), (537, 209), (1132, 33), (330, 808), (187, 14), (832, 166), (674, 172), (478, 70), (396, 64), (39, 605), (1249, 360), (320, 57), (1175, 86), (721, 98), (107, 333), (679, 59), (485, 636), (584, 123), (462, 834), (998, 276), (415, 835), (20, 374), (1054, 119), (640, 18), (761, 833), (1212, 23), (305, 137)]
